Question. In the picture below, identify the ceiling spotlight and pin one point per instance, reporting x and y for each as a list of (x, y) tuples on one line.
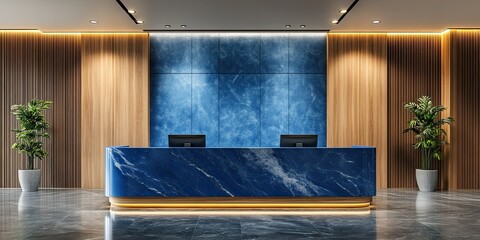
[(93, 21), (335, 21), (302, 26), (131, 11), (376, 21), (183, 26), (167, 26), (287, 26), (139, 21), (343, 11)]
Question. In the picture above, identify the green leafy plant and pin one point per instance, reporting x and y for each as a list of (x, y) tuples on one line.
[(31, 130), (426, 125)]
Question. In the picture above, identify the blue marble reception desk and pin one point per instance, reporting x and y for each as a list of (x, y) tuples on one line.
[(236, 173)]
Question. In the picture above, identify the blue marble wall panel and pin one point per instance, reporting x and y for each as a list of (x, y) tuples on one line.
[(239, 110), (205, 53), (205, 107), (274, 108), (239, 53), (215, 59), (307, 53), (274, 54), (239, 172), (170, 106), (307, 105), (170, 53)]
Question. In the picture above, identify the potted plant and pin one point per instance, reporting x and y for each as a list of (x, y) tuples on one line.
[(30, 132), (429, 138)]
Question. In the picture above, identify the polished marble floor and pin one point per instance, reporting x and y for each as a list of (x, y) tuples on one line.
[(85, 214)]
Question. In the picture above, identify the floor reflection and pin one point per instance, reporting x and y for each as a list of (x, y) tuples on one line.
[(238, 224), (85, 214)]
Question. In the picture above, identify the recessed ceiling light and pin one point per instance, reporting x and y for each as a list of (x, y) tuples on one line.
[(287, 26), (131, 11), (343, 11), (376, 21), (302, 26), (93, 21), (334, 21), (183, 26), (139, 21), (167, 26)]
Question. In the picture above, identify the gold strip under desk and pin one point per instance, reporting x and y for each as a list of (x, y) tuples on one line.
[(242, 202)]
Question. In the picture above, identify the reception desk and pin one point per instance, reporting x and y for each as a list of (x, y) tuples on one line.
[(240, 177)]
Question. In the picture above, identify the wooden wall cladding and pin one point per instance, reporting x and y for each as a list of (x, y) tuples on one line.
[(44, 66), (357, 94), (462, 87), (414, 70), (115, 108)]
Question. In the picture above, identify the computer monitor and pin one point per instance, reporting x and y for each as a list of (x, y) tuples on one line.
[(307, 140), (177, 140)]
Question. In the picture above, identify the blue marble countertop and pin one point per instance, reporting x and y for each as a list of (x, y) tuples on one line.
[(240, 172)]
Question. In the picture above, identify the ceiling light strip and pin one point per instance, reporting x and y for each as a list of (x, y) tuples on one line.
[(348, 11), (125, 9)]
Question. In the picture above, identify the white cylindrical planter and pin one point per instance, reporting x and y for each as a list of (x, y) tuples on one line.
[(427, 180), (29, 179)]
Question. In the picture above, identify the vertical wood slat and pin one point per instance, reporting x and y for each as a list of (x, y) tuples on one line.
[(414, 70), (450, 165), (463, 81), (42, 66), (115, 108), (357, 94)]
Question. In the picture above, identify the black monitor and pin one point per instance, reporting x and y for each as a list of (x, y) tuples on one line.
[(307, 140), (186, 140)]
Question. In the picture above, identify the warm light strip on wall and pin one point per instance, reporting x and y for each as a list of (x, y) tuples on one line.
[(384, 33), (242, 205), (362, 212), (19, 31), (97, 33), (67, 33), (60, 33), (415, 33)]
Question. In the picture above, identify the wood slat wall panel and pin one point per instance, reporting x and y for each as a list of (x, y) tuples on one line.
[(2, 101), (42, 66), (465, 107), (115, 108), (414, 70), (450, 165), (357, 94)]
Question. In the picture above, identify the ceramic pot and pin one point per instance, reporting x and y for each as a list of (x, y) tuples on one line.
[(427, 180), (29, 179)]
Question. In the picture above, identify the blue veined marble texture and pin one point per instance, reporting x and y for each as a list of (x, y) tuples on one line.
[(240, 172), (274, 108), (170, 53), (308, 105), (307, 53), (205, 107), (239, 53), (260, 117), (170, 106), (239, 110), (205, 53), (274, 54)]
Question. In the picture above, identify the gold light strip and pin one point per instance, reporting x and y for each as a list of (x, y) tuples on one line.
[(242, 205), (362, 212)]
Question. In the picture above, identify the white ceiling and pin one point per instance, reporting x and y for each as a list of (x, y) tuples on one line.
[(396, 15), (412, 15)]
